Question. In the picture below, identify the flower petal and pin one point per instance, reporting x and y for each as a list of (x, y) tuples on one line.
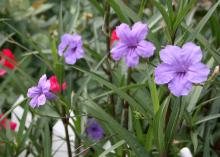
[(118, 51), (42, 80), (79, 53), (192, 53), (41, 100), (145, 49), (54, 84), (132, 59), (139, 31), (46, 87), (70, 58), (50, 96), (2, 72), (13, 126), (65, 41), (34, 101), (180, 86), (198, 73), (170, 54), (77, 39), (164, 73), (123, 31), (33, 92)]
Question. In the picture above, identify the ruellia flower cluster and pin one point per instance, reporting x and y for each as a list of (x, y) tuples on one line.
[(181, 67)]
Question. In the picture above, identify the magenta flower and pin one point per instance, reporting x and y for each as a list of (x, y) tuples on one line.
[(40, 93), (131, 44), (71, 47), (94, 130), (181, 68)]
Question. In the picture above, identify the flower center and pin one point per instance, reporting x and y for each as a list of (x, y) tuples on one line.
[(74, 49), (181, 70), (94, 129), (132, 46), (181, 74)]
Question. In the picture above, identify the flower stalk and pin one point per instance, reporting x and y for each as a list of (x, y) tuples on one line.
[(65, 123)]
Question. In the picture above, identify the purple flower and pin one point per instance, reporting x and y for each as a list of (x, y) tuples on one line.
[(131, 44), (40, 93), (94, 130), (181, 68), (71, 47)]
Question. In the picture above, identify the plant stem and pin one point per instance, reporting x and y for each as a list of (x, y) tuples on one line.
[(126, 104), (125, 109), (107, 32), (65, 123)]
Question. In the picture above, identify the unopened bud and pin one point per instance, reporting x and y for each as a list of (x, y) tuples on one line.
[(215, 73), (88, 16), (176, 141)]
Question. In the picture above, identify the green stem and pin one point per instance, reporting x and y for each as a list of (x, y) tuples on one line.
[(66, 122), (126, 104), (109, 70)]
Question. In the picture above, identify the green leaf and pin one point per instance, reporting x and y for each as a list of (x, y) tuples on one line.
[(170, 9), (159, 126), (11, 109), (3, 38), (194, 137), (97, 5), (204, 20), (182, 12), (76, 96), (149, 139), (142, 7), (61, 19), (138, 129), (127, 11), (153, 91), (22, 125), (193, 98), (47, 141), (208, 118), (54, 52), (204, 42), (125, 88), (115, 146), (119, 11), (173, 121), (121, 93), (166, 17)]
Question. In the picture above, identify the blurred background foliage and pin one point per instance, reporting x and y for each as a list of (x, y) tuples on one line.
[(32, 30)]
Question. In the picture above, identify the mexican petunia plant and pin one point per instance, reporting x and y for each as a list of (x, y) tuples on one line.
[(110, 78)]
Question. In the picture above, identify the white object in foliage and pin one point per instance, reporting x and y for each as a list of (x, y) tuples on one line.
[(185, 152)]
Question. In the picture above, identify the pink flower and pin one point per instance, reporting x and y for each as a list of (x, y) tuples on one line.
[(4, 122), (114, 37), (55, 86), (6, 60)]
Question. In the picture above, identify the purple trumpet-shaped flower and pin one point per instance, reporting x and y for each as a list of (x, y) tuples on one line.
[(40, 93), (94, 130), (71, 47), (181, 68), (132, 45)]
